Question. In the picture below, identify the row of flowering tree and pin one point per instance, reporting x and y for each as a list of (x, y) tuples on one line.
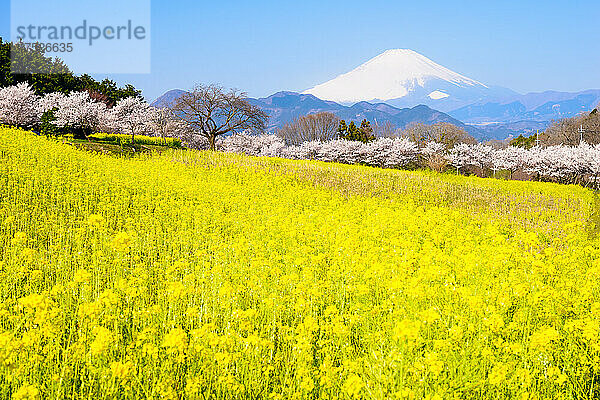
[(199, 126), (204, 113), (84, 114), (566, 164)]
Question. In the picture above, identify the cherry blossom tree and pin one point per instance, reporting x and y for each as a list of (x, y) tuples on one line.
[(435, 156), (460, 156), (211, 111), (252, 145), (50, 102), (78, 111), (481, 156), (19, 106), (511, 159), (391, 153), (132, 116), (592, 160)]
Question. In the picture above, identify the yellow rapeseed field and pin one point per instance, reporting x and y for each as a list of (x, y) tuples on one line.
[(198, 275)]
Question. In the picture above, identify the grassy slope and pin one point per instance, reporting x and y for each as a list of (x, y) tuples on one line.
[(114, 149), (221, 275)]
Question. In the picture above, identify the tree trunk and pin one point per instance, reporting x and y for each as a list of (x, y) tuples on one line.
[(86, 133), (211, 142)]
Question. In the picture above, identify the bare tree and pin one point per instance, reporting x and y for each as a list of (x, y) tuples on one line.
[(385, 130), (442, 132), (562, 131), (320, 126), (165, 125), (570, 131), (210, 111)]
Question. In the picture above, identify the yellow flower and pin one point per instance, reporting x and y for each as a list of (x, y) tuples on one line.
[(524, 377), (103, 340), (176, 289), (543, 338), (149, 350), (82, 276), (33, 301), (122, 241), (559, 377), (175, 340), (120, 370), (27, 392), (95, 221), (353, 386), (90, 311), (406, 330), (193, 386), (288, 279), (494, 322), (455, 333), (433, 363), (429, 316), (19, 238), (498, 375)]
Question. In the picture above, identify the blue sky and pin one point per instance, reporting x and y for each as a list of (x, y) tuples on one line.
[(265, 46)]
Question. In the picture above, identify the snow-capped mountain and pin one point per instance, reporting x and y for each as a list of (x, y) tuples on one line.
[(405, 78)]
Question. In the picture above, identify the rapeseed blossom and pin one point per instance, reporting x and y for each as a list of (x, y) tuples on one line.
[(207, 275)]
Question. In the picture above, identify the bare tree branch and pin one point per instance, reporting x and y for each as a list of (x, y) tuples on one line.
[(210, 111)]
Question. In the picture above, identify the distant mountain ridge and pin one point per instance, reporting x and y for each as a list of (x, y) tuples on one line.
[(539, 107), (167, 98), (284, 107), (403, 86), (523, 114)]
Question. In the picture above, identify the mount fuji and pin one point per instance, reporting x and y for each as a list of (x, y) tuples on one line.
[(405, 78)]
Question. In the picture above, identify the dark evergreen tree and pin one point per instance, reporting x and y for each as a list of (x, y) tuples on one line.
[(53, 75), (366, 132), (342, 130), (352, 132)]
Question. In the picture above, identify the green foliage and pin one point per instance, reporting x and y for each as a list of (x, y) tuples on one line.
[(125, 140), (342, 129), (526, 142), (109, 89), (46, 126), (366, 131), (55, 75), (352, 132)]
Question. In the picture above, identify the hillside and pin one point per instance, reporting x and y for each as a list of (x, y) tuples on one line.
[(209, 275)]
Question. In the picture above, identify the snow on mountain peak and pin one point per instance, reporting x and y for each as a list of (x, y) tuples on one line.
[(393, 74), (437, 94)]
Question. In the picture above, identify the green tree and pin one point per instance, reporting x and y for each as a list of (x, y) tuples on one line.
[(342, 129), (366, 132), (46, 126), (526, 142), (54, 75), (352, 132)]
